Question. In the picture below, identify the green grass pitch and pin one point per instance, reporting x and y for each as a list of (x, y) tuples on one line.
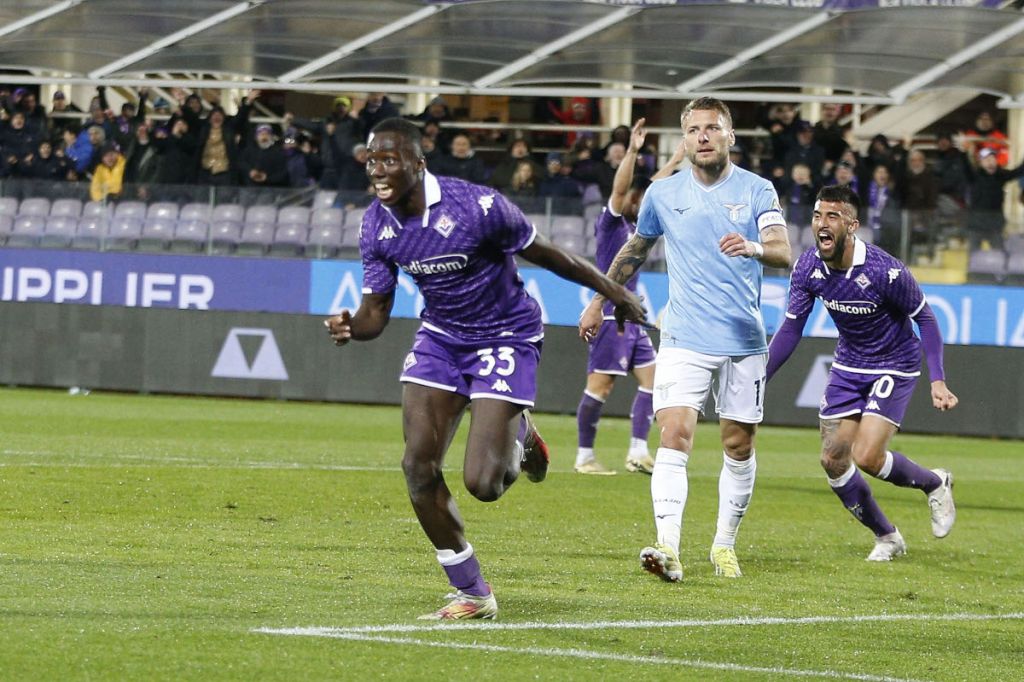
[(146, 537)]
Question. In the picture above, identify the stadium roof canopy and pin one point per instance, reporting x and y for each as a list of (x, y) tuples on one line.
[(851, 50)]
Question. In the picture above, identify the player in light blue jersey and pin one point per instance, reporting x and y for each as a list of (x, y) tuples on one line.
[(720, 224)]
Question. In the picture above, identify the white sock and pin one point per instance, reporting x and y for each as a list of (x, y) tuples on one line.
[(637, 446), (584, 455), (669, 486), (735, 486)]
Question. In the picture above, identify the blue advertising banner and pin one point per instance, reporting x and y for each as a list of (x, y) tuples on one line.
[(972, 314), (153, 281)]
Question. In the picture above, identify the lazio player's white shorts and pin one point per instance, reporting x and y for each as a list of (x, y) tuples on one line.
[(683, 378)]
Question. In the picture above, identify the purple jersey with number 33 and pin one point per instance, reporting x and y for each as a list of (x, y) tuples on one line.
[(460, 255)]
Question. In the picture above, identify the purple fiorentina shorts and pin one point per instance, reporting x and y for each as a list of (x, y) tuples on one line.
[(883, 395), (614, 354), (505, 369)]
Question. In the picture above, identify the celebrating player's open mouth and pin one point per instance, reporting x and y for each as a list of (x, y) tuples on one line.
[(383, 190), (825, 240)]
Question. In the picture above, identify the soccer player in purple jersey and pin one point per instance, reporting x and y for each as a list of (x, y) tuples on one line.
[(612, 354), (479, 342), (872, 298)]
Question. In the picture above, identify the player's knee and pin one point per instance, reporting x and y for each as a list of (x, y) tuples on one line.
[(485, 488), (835, 459), (420, 473), (869, 459), (737, 446), (676, 439)]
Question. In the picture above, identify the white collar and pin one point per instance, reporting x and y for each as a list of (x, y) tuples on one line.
[(860, 254), (431, 196), (708, 188)]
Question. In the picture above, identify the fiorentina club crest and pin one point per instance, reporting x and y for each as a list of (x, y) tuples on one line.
[(445, 225), (862, 281)]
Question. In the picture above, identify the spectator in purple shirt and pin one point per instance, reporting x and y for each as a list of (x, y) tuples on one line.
[(872, 298), (479, 342)]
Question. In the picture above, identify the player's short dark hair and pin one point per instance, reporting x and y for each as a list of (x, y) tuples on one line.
[(707, 104), (400, 126), (842, 194)]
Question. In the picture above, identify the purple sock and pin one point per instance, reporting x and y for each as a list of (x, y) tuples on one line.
[(642, 413), (466, 576), (587, 415), (858, 500), (907, 473)]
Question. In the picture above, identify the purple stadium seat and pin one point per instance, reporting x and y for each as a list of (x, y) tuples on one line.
[(189, 235), (162, 210), (255, 238), (26, 230), (1015, 268), (34, 206), (95, 209), (261, 215), (350, 238), (592, 195), (195, 211), (228, 212), (289, 240), (90, 232), (293, 215), (570, 226), (224, 235), (324, 199), (130, 209), (987, 266), (156, 234), (124, 232), (1014, 244), (324, 240), (354, 218), (66, 207), (8, 206), (59, 232), (541, 222), (332, 217)]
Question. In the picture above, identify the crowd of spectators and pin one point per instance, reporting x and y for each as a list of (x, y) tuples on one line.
[(957, 185)]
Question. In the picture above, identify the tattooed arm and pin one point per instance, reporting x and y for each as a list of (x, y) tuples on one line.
[(625, 264)]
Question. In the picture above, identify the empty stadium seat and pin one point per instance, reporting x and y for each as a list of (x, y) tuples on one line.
[(189, 236), (261, 215), (293, 215), (354, 217), (592, 194), (34, 206), (162, 210), (224, 235), (228, 212), (195, 211), (289, 240), (592, 211), (90, 232), (986, 266), (324, 240), (26, 230), (255, 239), (1014, 243), (130, 209), (541, 222), (156, 234), (8, 206), (567, 226), (324, 199), (95, 209), (59, 232), (333, 217), (124, 232), (66, 207), (1015, 268), (350, 238)]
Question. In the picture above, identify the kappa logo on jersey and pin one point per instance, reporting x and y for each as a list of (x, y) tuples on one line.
[(734, 211), (893, 274), (817, 274), (435, 265), (486, 202), (501, 386), (250, 353), (872, 405), (862, 281), (410, 360), (445, 225), (387, 233)]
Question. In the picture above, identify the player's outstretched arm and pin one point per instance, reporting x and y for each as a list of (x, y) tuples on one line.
[(784, 342), (369, 321), (626, 262), (628, 305)]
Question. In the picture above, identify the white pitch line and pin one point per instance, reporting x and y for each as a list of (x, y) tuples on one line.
[(641, 624), (603, 656)]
